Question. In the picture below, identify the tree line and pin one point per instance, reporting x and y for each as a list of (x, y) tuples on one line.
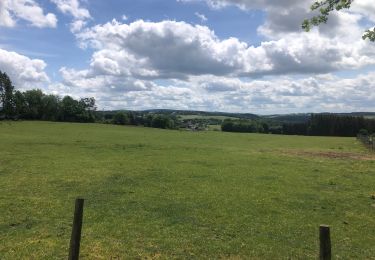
[(145, 119), (332, 125), (36, 105), (244, 126), (316, 125)]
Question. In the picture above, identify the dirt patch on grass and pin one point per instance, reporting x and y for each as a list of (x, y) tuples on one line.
[(332, 155)]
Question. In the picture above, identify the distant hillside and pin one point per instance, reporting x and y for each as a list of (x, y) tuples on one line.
[(277, 118), (203, 113)]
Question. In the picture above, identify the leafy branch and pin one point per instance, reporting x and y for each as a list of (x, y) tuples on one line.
[(325, 8)]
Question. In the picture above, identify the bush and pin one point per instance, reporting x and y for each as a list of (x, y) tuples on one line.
[(363, 132)]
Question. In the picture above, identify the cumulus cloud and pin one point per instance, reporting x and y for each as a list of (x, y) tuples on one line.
[(24, 72), (165, 49), (171, 49), (28, 10), (201, 71), (73, 7)]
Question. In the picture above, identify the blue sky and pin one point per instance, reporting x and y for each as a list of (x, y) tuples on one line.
[(217, 55)]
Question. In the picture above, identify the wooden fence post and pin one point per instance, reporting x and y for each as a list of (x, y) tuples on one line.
[(325, 242), (75, 239)]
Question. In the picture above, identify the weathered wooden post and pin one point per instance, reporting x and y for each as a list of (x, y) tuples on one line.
[(75, 239), (325, 242)]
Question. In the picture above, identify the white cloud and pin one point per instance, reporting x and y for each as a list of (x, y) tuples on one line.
[(5, 15), (73, 7), (28, 10), (165, 49), (171, 49), (77, 25), (201, 71), (201, 17), (364, 7), (288, 94), (264, 96), (23, 71)]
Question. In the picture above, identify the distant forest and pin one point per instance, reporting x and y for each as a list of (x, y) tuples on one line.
[(36, 105), (316, 125)]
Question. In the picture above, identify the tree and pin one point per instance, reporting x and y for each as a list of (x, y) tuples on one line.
[(34, 108), (87, 109), (20, 104), (88, 104), (120, 119), (6, 95), (72, 110), (50, 107), (325, 8)]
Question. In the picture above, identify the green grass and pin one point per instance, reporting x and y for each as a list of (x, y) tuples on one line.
[(214, 127), (174, 194)]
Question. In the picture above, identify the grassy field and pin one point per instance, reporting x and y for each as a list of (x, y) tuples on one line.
[(188, 195)]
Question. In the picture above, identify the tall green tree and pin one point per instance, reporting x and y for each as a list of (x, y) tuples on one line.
[(20, 104), (6, 95), (34, 106), (50, 107), (325, 8), (70, 108)]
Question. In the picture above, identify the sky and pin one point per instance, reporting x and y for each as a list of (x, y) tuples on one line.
[(247, 56)]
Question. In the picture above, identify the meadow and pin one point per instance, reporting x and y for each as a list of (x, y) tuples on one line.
[(168, 194)]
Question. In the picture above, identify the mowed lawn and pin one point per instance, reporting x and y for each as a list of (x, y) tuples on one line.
[(166, 194)]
